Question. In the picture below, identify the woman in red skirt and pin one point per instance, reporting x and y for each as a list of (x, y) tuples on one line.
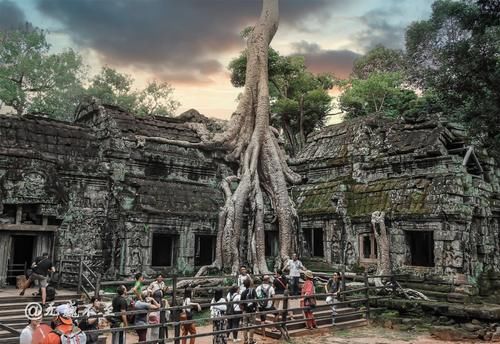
[(309, 301)]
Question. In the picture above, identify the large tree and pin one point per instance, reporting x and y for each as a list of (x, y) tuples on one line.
[(455, 55), (34, 80), (299, 99), (251, 143)]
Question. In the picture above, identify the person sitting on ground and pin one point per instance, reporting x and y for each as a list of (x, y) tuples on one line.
[(243, 275), (64, 330), (27, 333), (187, 314), (248, 308), (333, 287), (90, 322), (41, 268), (145, 303), (137, 289), (218, 309), (309, 300), (234, 310), (295, 267)]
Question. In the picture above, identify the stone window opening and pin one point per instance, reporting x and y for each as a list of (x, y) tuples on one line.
[(204, 249), (314, 241), (271, 243), (420, 245), (163, 249), (367, 247)]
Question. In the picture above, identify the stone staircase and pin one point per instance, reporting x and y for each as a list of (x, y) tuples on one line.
[(12, 312), (323, 315)]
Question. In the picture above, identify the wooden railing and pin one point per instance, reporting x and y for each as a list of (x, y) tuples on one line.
[(78, 274)]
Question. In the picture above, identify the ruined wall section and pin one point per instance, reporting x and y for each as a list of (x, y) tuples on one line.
[(412, 170)]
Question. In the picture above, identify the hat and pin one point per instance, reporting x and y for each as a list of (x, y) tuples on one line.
[(309, 274), (64, 313)]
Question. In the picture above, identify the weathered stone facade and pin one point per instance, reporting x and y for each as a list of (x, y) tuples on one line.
[(111, 188), (442, 203)]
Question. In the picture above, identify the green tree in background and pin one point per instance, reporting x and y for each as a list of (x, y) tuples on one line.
[(299, 99), (455, 56), (34, 80), (379, 60)]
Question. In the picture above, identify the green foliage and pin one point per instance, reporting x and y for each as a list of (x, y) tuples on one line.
[(455, 55), (380, 92), (379, 60), (34, 80), (299, 98)]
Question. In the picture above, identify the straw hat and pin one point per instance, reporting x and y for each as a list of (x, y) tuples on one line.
[(309, 274)]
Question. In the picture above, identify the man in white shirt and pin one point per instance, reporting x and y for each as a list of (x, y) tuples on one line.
[(295, 267), (157, 288), (27, 332), (244, 275)]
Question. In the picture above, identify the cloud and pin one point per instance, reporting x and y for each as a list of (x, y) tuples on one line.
[(181, 37), (11, 16), (338, 62)]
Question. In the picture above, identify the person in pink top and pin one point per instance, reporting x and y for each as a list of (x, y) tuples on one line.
[(309, 301)]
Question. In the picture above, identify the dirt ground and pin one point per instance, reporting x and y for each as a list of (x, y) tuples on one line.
[(364, 335)]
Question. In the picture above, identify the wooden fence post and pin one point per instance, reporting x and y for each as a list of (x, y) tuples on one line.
[(343, 282), (284, 315), (80, 272), (367, 295), (59, 269), (97, 285)]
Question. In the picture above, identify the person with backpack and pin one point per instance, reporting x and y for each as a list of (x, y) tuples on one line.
[(88, 323), (119, 319), (187, 314), (218, 309), (248, 308), (309, 300), (333, 287), (265, 291), (41, 267), (145, 303), (280, 284), (235, 310), (64, 331)]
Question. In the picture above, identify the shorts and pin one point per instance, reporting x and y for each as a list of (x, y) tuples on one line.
[(40, 278)]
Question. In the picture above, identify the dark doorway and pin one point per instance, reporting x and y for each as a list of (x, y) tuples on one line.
[(271, 243), (163, 249), (205, 250), (421, 246), (21, 256), (314, 241)]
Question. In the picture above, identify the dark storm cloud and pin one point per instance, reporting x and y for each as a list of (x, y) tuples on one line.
[(168, 36), (11, 16), (379, 29), (338, 62)]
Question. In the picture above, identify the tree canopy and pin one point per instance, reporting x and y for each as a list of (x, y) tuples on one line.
[(32, 79), (299, 99)]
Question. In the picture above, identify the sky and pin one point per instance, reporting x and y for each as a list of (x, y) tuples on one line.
[(189, 43)]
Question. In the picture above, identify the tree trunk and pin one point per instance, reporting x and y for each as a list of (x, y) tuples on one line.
[(252, 143), (302, 136), (382, 240)]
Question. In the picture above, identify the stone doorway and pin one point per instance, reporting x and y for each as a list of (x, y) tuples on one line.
[(314, 241), (21, 255), (205, 249), (421, 248)]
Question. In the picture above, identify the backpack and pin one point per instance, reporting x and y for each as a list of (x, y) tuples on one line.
[(248, 294), (230, 308), (263, 294), (76, 336)]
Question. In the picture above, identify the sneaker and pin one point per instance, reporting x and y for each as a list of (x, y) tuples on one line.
[(21, 293)]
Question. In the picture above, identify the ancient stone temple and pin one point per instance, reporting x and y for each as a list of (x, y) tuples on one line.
[(114, 189), (440, 196)]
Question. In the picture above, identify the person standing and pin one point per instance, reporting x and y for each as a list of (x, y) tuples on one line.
[(144, 304), (244, 275), (280, 284), (295, 267), (158, 288), (137, 289), (234, 310), (27, 333), (333, 287), (309, 300), (119, 319), (265, 291), (218, 309), (41, 268), (90, 322), (249, 308), (187, 314)]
